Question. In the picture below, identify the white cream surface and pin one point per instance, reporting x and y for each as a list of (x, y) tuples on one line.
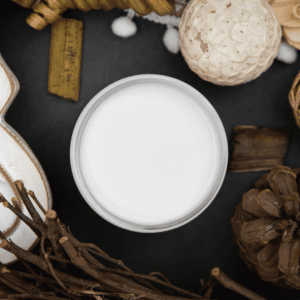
[(148, 154)]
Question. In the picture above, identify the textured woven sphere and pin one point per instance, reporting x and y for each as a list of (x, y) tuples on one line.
[(229, 42)]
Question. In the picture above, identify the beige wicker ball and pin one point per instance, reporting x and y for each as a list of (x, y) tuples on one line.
[(229, 42)]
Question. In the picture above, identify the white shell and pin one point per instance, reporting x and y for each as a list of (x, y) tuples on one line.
[(124, 27), (17, 162), (287, 53), (171, 40)]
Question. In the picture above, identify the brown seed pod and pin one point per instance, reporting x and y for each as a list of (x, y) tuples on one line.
[(266, 227)]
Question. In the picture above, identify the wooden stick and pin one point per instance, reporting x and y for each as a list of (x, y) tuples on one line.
[(12, 286), (27, 255), (39, 262), (50, 265), (27, 266), (234, 286), (37, 202), (65, 58), (53, 235), (40, 279), (15, 203), (37, 229), (90, 259), (154, 279), (27, 286), (30, 207), (121, 284), (31, 296)]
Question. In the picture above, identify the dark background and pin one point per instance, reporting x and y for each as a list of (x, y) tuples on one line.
[(46, 122)]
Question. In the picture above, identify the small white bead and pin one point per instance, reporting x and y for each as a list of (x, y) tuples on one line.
[(123, 27), (287, 53), (171, 40)]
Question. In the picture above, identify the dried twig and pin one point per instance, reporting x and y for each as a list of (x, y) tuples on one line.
[(232, 285), (32, 195), (119, 281), (30, 207)]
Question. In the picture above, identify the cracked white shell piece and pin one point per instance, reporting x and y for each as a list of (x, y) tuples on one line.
[(229, 42)]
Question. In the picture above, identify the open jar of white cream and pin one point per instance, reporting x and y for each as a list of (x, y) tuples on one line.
[(149, 153)]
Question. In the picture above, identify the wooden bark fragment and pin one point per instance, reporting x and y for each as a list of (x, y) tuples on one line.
[(65, 58), (258, 148)]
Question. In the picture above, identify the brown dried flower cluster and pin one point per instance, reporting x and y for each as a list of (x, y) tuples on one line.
[(266, 227)]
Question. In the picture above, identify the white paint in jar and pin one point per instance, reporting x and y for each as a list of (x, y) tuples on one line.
[(149, 155)]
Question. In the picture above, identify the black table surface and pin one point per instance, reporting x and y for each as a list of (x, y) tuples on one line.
[(46, 122)]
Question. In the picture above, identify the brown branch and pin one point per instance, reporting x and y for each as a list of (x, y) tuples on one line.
[(61, 260), (161, 275), (118, 283), (97, 251), (36, 277), (30, 207), (27, 286), (46, 281), (234, 286), (209, 291), (37, 202), (12, 286), (119, 263), (90, 259), (50, 265), (27, 266), (19, 252), (39, 262), (156, 280), (94, 262), (54, 236), (16, 204), (37, 229), (105, 256), (30, 296)]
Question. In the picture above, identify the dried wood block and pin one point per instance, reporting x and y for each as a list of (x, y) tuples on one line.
[(65, 58), (258, 148)]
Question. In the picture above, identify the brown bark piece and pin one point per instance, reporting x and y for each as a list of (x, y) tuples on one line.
[(65, 58), (258, 148)]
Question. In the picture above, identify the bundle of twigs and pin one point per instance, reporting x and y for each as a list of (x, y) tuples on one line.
[(50, 272)]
